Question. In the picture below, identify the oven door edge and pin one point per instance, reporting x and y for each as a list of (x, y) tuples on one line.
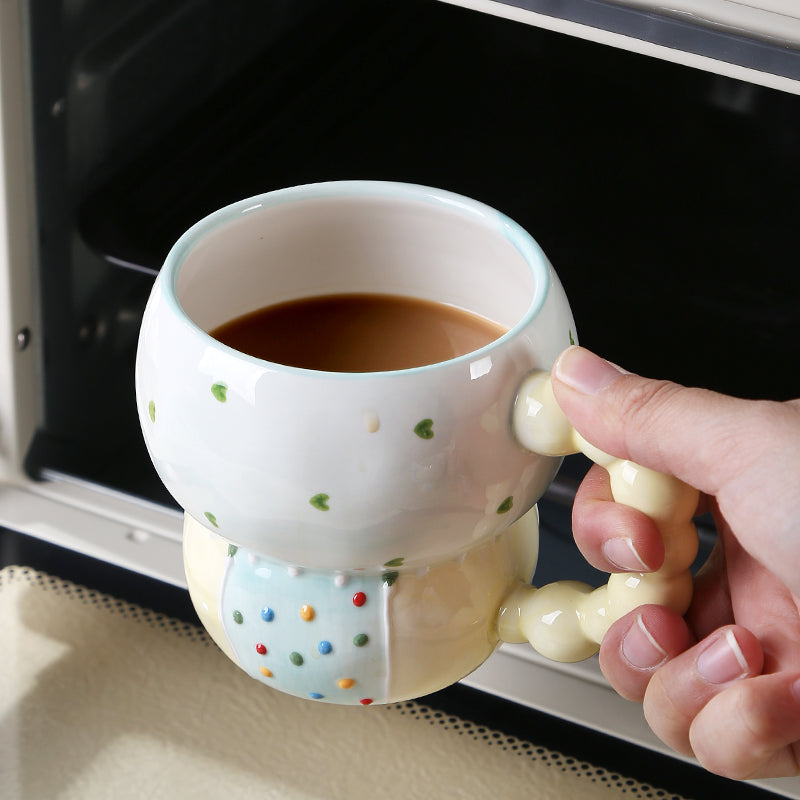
[(19, 346), (89, 519), (711, 38)]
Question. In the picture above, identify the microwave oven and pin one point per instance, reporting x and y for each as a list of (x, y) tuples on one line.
[(647, 145)]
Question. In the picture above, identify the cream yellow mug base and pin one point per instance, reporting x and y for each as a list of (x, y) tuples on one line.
[(394, 633), (356, 637)]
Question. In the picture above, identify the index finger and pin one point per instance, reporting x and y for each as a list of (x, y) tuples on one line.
[(662, 425), (611, 536)]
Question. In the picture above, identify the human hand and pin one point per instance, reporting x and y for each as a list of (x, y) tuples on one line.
[(723, 683)]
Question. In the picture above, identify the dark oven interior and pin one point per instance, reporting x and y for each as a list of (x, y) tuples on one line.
[(665, 197)]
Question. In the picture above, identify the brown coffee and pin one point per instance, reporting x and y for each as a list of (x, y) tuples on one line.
[(358, 332)]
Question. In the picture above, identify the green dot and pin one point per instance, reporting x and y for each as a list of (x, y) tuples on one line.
[(424, 429), (237, 617), (390, 577), (232, 548), (151, 410), (506, 505), (571, 340), (395, 562), (296, 658), (211, 518), (320, 502), (220, 391), (360, 639)]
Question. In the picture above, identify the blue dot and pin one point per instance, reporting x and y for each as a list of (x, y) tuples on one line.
[(316, 695), (324, 647), (267, 614)]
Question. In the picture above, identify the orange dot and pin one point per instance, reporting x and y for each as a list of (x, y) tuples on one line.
[(345, 683), (267, 673), (307, 613)]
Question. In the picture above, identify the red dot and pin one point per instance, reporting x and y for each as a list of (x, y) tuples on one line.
[(359, 598), (260, 649), (366, 701)]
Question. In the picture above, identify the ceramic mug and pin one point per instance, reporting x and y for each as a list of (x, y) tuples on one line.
[(370, 537)]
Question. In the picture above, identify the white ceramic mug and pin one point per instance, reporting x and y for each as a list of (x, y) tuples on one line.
[(370, 537)]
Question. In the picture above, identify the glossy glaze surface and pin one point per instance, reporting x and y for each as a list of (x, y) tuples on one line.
[(334, 470), (369, 537)]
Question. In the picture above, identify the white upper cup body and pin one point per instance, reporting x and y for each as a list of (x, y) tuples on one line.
[(348, 470)]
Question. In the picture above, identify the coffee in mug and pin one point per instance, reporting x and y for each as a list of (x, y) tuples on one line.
[(358, 332)]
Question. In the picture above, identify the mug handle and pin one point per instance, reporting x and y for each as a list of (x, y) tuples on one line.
[(566, 620)]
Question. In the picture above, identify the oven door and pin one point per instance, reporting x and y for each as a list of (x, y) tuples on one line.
[(116, 522)]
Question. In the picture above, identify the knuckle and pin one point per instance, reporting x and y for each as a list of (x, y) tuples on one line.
[(755, 721), (751, 744), (649, 406), (649, 399), (668, 713)]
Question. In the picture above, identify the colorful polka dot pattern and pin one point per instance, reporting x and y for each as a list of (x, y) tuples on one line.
[(317, 635)]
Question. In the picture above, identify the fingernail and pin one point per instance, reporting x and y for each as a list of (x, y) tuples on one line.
[(640, 649), (583, 371), (622, 553), (722, 661)]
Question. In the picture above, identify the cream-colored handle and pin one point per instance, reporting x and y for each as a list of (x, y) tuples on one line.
[(566, 620)]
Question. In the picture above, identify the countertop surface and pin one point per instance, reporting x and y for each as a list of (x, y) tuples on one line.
[(104, 698), (119, 693)]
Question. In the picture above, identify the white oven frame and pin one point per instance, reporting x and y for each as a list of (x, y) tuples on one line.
[(774, 23), (145, 537)]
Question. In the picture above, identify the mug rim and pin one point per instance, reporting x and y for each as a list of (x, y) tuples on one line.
[(519, 238)]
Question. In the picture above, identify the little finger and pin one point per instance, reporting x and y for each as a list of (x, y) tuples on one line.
[(760, 718), (680, 689)]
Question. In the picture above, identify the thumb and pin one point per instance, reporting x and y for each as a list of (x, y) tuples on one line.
[(658, 424), (746, 453)]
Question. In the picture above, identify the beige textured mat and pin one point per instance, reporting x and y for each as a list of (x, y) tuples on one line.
[(102, 699)]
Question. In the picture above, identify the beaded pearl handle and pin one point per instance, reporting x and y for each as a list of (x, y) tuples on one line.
[(566, 620)]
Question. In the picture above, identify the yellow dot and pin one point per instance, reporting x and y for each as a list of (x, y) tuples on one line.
[(307, 613), (267, 673), (345, 683), (372, 421)]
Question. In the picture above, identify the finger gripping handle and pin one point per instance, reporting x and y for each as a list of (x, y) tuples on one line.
[(566, 620)]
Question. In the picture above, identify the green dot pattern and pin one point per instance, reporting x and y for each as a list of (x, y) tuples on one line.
[(424, 429), (390, 577), (320, 502), (220, 391), (506, 505)]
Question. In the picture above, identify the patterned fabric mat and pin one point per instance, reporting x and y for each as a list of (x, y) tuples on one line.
[(104, 699)]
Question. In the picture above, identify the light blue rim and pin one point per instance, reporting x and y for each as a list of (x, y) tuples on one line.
[(525, 244)]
